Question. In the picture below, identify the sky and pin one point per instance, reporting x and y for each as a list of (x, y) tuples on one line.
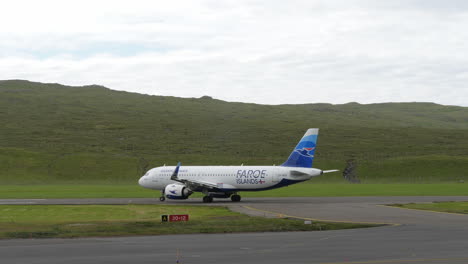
[(267, 52)]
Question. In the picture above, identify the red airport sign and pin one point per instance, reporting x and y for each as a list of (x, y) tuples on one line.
[(174, 218)]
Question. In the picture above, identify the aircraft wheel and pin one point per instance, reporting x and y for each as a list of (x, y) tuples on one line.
[(162, 198), (235, 198), (207, 199)]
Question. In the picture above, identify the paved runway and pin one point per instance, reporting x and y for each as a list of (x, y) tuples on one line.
[(416, 237)]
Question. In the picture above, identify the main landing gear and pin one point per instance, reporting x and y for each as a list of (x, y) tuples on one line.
[(207, 199), (235, 198)]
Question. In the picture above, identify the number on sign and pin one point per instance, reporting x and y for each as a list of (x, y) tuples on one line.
[(177, 218)]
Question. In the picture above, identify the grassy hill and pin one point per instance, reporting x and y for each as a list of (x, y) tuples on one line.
[(52, 133)]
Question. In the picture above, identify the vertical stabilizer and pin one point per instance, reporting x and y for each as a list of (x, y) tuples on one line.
[(303, 153)]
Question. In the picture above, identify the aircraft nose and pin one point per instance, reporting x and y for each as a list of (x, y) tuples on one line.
[(141, 181)]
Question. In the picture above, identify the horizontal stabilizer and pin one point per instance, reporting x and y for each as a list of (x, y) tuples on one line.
[(328, 171)]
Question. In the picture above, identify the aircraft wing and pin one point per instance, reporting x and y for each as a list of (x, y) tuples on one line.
[(197, 185), (194, 184)]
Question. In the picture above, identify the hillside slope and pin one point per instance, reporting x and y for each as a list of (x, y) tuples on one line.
[(56, 133)]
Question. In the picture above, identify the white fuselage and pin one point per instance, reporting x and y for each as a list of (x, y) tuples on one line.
[(230, 178)]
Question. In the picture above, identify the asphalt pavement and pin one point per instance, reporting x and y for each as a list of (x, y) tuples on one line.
[(411, 236)]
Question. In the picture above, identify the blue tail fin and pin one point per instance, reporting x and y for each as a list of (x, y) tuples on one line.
[(303, 153)]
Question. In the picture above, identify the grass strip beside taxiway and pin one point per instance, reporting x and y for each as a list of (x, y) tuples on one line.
[(444, 207), (68, 221)]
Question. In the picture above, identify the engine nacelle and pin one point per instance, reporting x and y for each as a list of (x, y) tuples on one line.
[(177, 191)]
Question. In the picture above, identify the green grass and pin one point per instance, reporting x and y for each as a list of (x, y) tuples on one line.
[(447, 207), (308, 189), (55, 134), (75, 191), (66, 221), (29, 167)]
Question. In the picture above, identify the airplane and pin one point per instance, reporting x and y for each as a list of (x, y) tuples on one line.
[(179, 182)]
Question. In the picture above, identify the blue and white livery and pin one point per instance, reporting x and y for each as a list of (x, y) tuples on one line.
[(179, 182)]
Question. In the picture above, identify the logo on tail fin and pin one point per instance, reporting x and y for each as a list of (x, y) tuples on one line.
[(306, 152), (303, 154)]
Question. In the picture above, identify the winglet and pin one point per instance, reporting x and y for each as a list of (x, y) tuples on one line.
[(176, 173)]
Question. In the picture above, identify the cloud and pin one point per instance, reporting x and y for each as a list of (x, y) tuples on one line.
[(269, 52)]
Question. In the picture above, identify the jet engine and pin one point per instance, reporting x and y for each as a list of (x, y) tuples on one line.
[(177, 191)]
